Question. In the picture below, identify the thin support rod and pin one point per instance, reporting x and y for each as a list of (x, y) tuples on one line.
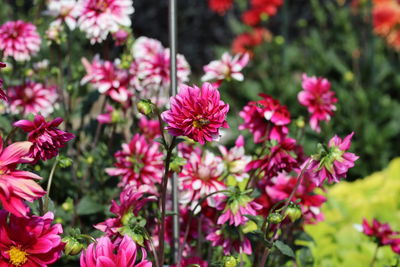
[(173, 76)]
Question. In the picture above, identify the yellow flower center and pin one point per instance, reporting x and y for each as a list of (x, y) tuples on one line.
[(17, 256), (200, 123)]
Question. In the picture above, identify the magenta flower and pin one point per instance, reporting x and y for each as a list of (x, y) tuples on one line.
[(31, 241), (150, 72), (132, 201), (149, 128), (47, 139), (236, 160), (333, 163), (201, 176), (33, 98), (281, 157), (266, 119), (231, 240), (19, 39), (197, 113), (120, 37), (65, 11), (100, 17), (17, 186), (191, 262), (227, 68), (2, 93), (382, 234), (105, 253), (318, 98), (235, 205), (139, 163), (108, 79)]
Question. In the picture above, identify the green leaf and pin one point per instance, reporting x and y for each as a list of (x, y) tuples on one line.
[(88, 206), (284, 249)]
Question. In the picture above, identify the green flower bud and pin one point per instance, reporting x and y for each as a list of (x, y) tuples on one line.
[(145, 107), (72, 246), (230, 261), (250, 226), (275, 218), (294, 212)]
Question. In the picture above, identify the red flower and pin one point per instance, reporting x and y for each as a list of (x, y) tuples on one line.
[(259, 8), (246, 42), (197, 113), (266, 119), (47, 139), (220, 6), (28, 242), (383, 234)]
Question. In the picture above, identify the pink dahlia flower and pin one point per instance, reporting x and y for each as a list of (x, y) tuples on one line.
[(33, 98), (235, 205), (105, 253), (231, 240), (139, 163), (281, 157), (31, 241), (64, 11), (2, 93), (17, 186), (47, 139), (197, 113), (120, 37), (151, 70), (19, 39), (266, 119), (318, 98), (149, 128), (227, 68), (201, 176), (310, 202), (236, 160), (334, 163), (132, 201), (382, 234), (108, 79), (100, 17)]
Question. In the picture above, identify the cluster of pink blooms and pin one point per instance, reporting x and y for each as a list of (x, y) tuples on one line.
[(98, 18), (32, 97), (19, 40), (226, 69), (318, 98), (150, 69), (383, 234)]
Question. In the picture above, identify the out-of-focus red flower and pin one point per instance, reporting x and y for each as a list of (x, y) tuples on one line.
[(246, 42), (259, 8), (220, 6), (386, 21), (383, 234)]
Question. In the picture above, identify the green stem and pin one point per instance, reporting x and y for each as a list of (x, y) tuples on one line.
[(375, 257), (47, 199)]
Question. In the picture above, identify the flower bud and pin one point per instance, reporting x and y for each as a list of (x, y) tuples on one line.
[(250, 226), (294, 212), (275, 218), (145, 107), (72, 246), (230, 261)]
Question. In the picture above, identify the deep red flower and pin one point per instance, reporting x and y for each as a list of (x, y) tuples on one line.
[(47, 139), (266, 119), (29, 242), (382, 233), (220, 6), (246, 42)]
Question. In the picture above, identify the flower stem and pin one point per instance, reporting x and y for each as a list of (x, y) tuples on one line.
[(47, 199), (374, 258)]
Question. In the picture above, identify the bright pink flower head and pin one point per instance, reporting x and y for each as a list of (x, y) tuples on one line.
[(197, 113), (139, 163), (17, 186), (235, 159), (235, 205), (228, 68), (201, 176), (318, 98), (33, 98), (382, 233), (120, 37), (281, 157), (334, 163), (149, 128), (151, 69), (2, 93), (220, 6), (47, 139), (231, 240), (31, 241), (266, 119), (132, 201), (99, 17), (108, 79), (19, 39), (64, 11), (105, 253), (310, 202)]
